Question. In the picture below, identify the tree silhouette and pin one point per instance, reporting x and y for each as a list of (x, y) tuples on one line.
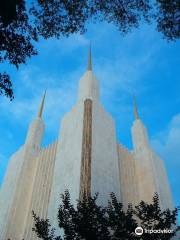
[(168, 18), (43, 229), (88, 220), (121, 223), (22, 23), (152, 217), (16, 36)]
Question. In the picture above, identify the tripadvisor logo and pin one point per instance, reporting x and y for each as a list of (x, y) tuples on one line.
[(139, 231)]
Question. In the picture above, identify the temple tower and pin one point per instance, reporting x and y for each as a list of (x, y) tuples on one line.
[(19, 182), (86, 160), (150, 171)]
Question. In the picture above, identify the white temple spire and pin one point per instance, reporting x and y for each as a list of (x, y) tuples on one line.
[(136, 115), (139, 131), (36, 127), (88, 85), (41, 106), (89, 66)]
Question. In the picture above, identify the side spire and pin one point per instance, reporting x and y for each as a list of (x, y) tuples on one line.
[(136, 115), (89, 66), (41, 105)]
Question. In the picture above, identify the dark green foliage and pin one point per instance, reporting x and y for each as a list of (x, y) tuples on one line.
[(16, 36), (8, 11), (43, 229), (6, 86), (122, 223), (63, 17), (123, 14), (21, 24), (168, 18), (56, 18), (152, 217), (90, 221)]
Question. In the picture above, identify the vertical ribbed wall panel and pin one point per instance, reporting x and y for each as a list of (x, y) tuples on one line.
[(42, 183), (49, 183), (35, 196), (128, 180), (19, 209), (35, 192), (42, 188), (10, 183)]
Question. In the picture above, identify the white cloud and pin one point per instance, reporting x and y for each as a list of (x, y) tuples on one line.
[(124, 74), (167, 144)]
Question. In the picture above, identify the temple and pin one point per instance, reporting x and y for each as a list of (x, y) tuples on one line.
[(86, 159)]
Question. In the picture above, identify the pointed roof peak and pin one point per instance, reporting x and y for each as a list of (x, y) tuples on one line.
[(42, 105), (89, 66), (136, 115)]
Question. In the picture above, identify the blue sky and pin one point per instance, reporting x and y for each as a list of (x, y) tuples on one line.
[(140, 63)]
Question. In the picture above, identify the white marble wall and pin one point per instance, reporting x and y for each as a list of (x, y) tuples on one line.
[(128, 178), (22, 196), (35, 133), (139, 136), (150, 170), (104, 163), (161, 179), (8, 189), (68, 160), (104, 168), (88, 87), (42, 188), (20, 178)]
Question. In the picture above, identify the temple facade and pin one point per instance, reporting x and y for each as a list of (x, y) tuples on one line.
[(86, 159)]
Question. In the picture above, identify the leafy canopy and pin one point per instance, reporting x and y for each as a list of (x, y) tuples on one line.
[(88, 220)]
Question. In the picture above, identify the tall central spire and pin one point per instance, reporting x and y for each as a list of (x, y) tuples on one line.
[(88, 85), (136, 115), (89, 66)]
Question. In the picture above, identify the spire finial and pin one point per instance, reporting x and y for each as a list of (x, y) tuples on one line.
[(136, 115), (41, 105), (89, 66)]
